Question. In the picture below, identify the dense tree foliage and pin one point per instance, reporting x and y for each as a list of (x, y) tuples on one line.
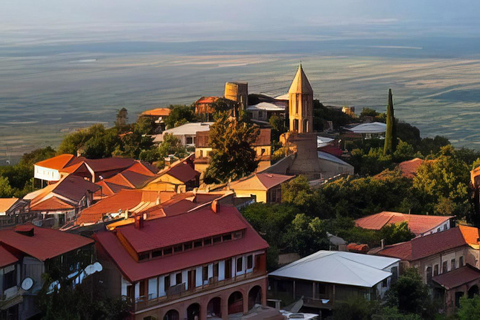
[(233, 155), (391, 130), (322, 114), (180, 115), (469, 308)]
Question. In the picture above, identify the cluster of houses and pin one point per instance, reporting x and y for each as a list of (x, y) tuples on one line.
[(179, 249)]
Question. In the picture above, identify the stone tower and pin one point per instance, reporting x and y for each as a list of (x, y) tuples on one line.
[(301, 104), (237, 91)]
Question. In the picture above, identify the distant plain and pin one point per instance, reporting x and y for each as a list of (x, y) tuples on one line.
[(47, 91)]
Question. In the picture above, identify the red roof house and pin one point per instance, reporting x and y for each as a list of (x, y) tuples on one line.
[(419, 224)]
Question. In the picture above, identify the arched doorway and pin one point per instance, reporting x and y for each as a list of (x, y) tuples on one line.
[(193, 312), (254, 297), (473, 291), (214, 307), (172, 315), (235, 303)]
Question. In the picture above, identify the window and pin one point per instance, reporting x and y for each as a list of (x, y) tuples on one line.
[(215, 270), (429, 275), (250, 262), (157, 253), (444, 266), (9, 279), (260, 114), (178, 278), (238, 234), (207, 241), (321, 288), (227, 237), (205, 273), (197, 244), (452, 264), (217, 239), (435, 270), (460, 262), (187, 246), (167, 283), (189, 140), (143, 256), (178, 249), (239, 264), (167, 251), (394, 271)]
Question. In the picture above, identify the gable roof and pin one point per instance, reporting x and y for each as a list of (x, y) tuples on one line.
[(6, 258), (134, 271), (51, 204), (338, 267), (422, 247), (7, 203), (300, 83), (57, 162), (418, 224), (158, 112), (260, 181), (182, 171), (125, 199), (44, 244), (457, 277)]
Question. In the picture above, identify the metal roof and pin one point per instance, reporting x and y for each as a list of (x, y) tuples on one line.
[(339, 267), (327, 156), (374, 127)]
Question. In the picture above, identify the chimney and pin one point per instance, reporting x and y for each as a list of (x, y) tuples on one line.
[(125, 214), (138, 222), (382, 243), (28, 231), (215, 206)]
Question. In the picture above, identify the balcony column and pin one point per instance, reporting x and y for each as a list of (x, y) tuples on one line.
[(264, 292), (245, 302), (182, 312), (224, 307), (203, 310)]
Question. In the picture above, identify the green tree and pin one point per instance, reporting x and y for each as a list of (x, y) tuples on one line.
[(410, 295), (391, 132), (442, 185), (179, 115), (6, 190), (307, 235), (298, 192), (355, 308), (469, 308), (233, 155), (278, 127)]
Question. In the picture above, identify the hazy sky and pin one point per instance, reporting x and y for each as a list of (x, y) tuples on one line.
[(244, 19)]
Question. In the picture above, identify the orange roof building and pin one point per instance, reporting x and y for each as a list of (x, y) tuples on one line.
[(158, 112), (420, 225), (267, 187)]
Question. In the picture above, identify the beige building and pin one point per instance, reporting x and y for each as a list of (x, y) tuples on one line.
[(266, 187), (237, 91)]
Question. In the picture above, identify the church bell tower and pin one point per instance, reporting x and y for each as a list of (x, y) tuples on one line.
[(300, 109)]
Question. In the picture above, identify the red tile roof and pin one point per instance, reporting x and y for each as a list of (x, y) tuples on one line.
[(158, 112), (183, 172), (7, 203), (208, 100), (423, 247), (260, 181), (58, 162), (457, 277), (109, 164), (264, 138), (135, 271), (51, 204), (418, 224), (409, 168), (74, 188), (181, 203), (45, 243), (171, 230), (123, 200), (6, 258)]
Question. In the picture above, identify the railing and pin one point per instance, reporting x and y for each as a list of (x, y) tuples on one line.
[(180, 291)]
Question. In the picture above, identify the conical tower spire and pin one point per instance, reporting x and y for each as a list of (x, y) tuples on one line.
[(300, 83), (300, 109)]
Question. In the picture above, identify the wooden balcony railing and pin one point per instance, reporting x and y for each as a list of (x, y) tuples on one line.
[(180, 290)]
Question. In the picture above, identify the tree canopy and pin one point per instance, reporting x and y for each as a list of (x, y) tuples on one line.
[(233, 155)]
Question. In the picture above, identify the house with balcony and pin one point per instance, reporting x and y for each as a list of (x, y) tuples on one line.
[(328, 277), (14, 211), (26, 253), (193, 265)]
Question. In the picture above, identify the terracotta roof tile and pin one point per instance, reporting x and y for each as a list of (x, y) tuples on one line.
[(423, 247), (457, 277), (260, 181), (264, 138), (58, 162), (418, 224), (45, 243), (6, 258), (7, 203), (51, 204), (158, 112), (201, 223), (183, 172)]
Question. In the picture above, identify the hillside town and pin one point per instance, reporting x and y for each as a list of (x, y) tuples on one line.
[(243, 206)]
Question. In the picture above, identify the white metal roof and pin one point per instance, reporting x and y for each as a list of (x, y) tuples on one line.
[(374, 127), (323, 141), (329, 157), (284, 96), (266, 106), (339, 267), (185, 129)]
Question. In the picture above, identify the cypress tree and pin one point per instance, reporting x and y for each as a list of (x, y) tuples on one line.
[(390, 133)]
